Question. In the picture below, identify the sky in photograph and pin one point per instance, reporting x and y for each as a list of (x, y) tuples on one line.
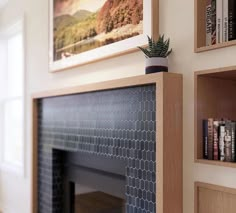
[(62, 7)]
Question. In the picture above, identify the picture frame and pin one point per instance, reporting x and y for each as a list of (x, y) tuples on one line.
[(150, 27)]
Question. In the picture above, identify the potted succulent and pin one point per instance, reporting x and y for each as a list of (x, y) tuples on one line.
[(156, 54)]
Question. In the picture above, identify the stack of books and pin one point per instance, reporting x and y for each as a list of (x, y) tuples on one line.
[(220, 21), (219, 140)]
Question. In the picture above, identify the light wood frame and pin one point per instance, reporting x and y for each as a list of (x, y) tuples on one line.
[(150, 27), (200, 29), (207, 193), (169, 121), (214, 96)]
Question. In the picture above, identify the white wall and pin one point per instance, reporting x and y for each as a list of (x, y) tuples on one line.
[(176, 21)]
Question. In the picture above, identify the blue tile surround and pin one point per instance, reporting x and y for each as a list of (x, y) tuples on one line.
[(117, 123)]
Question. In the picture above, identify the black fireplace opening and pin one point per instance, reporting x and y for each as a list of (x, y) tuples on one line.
[(93, 184)]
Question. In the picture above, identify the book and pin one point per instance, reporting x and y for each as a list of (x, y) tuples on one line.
[(219, 142), (232, 19), (213, 22), (210, 139), (219, 21), (215, 140), (228, 142), (205, 139), (233, 140), (208, 22), (222, 142), (225, 20)]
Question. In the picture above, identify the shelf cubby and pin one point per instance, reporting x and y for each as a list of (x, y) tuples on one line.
[(200, 29), (215, 97), (209, 198)]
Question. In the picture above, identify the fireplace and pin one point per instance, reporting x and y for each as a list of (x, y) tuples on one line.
[(133, 126), (97, 147)]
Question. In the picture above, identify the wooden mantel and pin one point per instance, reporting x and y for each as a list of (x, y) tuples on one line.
[(169, 122)]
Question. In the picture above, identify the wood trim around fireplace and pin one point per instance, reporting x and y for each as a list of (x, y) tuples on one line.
[(34, 197), (169, 134)]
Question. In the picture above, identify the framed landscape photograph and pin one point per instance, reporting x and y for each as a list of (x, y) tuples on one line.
[(84, 31)]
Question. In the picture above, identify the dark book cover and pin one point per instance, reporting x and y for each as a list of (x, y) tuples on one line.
[(233, 140), (210, 139), (213, 22), (208, 23), (216, 140), (205, 139), (232, 20), (228, 142)]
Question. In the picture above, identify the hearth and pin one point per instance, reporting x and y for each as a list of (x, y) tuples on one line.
[(98, 202)]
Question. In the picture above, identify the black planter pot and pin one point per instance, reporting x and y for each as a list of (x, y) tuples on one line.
[(154, 65)]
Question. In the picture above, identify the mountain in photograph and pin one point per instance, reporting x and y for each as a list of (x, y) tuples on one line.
[(85, 30), (82, 14), (63, 21)]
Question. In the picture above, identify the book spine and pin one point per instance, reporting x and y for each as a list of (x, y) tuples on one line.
[(208, 23), (215, 140), (232, 19), (228, 142), (225, 21), (210, 139), (213, 22), (233, 140), (205, 139), (222, 142), (219, 21)]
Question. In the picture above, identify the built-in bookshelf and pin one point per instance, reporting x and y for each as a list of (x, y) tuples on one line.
[(215, 97), (200, 29)]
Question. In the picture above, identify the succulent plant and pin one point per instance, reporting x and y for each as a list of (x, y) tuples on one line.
[(159, 48)]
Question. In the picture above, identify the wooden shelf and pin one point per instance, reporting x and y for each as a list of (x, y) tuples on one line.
[(215, 97), (200, 30), (216, 163), (216, 46)]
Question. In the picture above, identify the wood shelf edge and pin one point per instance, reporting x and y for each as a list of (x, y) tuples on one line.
[(199, 184), (214, 70), (216, 163), (110, 84), (215, 46)]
